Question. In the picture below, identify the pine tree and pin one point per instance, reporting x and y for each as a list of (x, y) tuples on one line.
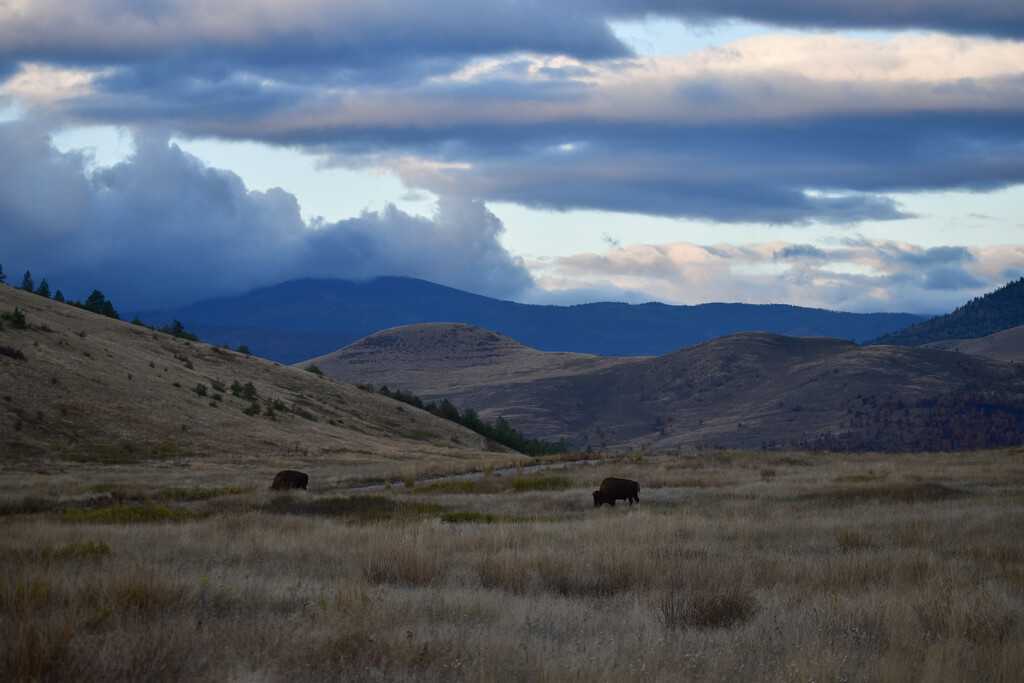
[(44, 289), (18, 320), (26, 283), (95, 302), (3, 278)]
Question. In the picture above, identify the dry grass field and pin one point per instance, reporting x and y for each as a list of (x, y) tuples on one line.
[(734, 566)]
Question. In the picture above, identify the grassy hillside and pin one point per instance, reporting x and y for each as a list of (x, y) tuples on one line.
[(748, 390), (999, 310), (1004, 345), (82, 392)]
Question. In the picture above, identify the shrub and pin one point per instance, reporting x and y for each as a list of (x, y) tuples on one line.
[(253, 409), (176, 329), (246, 391), (11, 352), (17, 319)]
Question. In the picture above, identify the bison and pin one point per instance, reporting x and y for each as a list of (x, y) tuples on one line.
[(613, 489), (290, 479)]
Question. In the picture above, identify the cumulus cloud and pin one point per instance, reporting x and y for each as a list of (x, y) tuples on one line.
[(859, 275), (162, 228)]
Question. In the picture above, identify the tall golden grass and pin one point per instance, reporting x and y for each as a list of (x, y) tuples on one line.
[(834, 568)]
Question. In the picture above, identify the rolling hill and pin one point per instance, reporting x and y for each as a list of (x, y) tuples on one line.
[(747, 390), (82, 390), (301, 319)]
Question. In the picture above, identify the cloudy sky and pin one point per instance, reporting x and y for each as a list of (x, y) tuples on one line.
[(861, 155)]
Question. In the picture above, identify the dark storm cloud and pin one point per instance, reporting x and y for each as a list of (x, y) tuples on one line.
[(538, 103), (833, 169), (363, 37), (161, 228), (988, 17), (383, 40)]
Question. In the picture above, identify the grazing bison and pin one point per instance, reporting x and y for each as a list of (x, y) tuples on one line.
[(290, 479), (613, 489)]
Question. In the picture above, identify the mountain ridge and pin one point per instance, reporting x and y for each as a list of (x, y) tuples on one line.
[(302, 319)]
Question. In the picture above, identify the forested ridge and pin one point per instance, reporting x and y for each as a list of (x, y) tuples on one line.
[(980, 317)]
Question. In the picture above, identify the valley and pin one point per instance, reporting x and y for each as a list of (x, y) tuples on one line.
[(141, 539)]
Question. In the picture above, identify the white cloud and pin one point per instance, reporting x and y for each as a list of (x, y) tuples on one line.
[(43, 84), (862, 275)]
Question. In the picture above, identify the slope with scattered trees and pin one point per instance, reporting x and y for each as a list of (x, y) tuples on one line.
[(994, 312)]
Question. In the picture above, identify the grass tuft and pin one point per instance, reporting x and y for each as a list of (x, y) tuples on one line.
[(710, 606), (29, 505), (540, 483), (895, 492), (121, 452), (361, 508), (194, 494), (129, 514)]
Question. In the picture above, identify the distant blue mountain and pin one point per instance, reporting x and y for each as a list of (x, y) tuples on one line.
[(302, 319)]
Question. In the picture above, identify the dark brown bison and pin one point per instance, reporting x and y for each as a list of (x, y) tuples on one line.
[(290, 479), (613, 489)]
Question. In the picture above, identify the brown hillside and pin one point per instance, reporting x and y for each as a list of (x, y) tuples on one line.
[(80, 390), (1005, 345), (441, 359), (747, 390)]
